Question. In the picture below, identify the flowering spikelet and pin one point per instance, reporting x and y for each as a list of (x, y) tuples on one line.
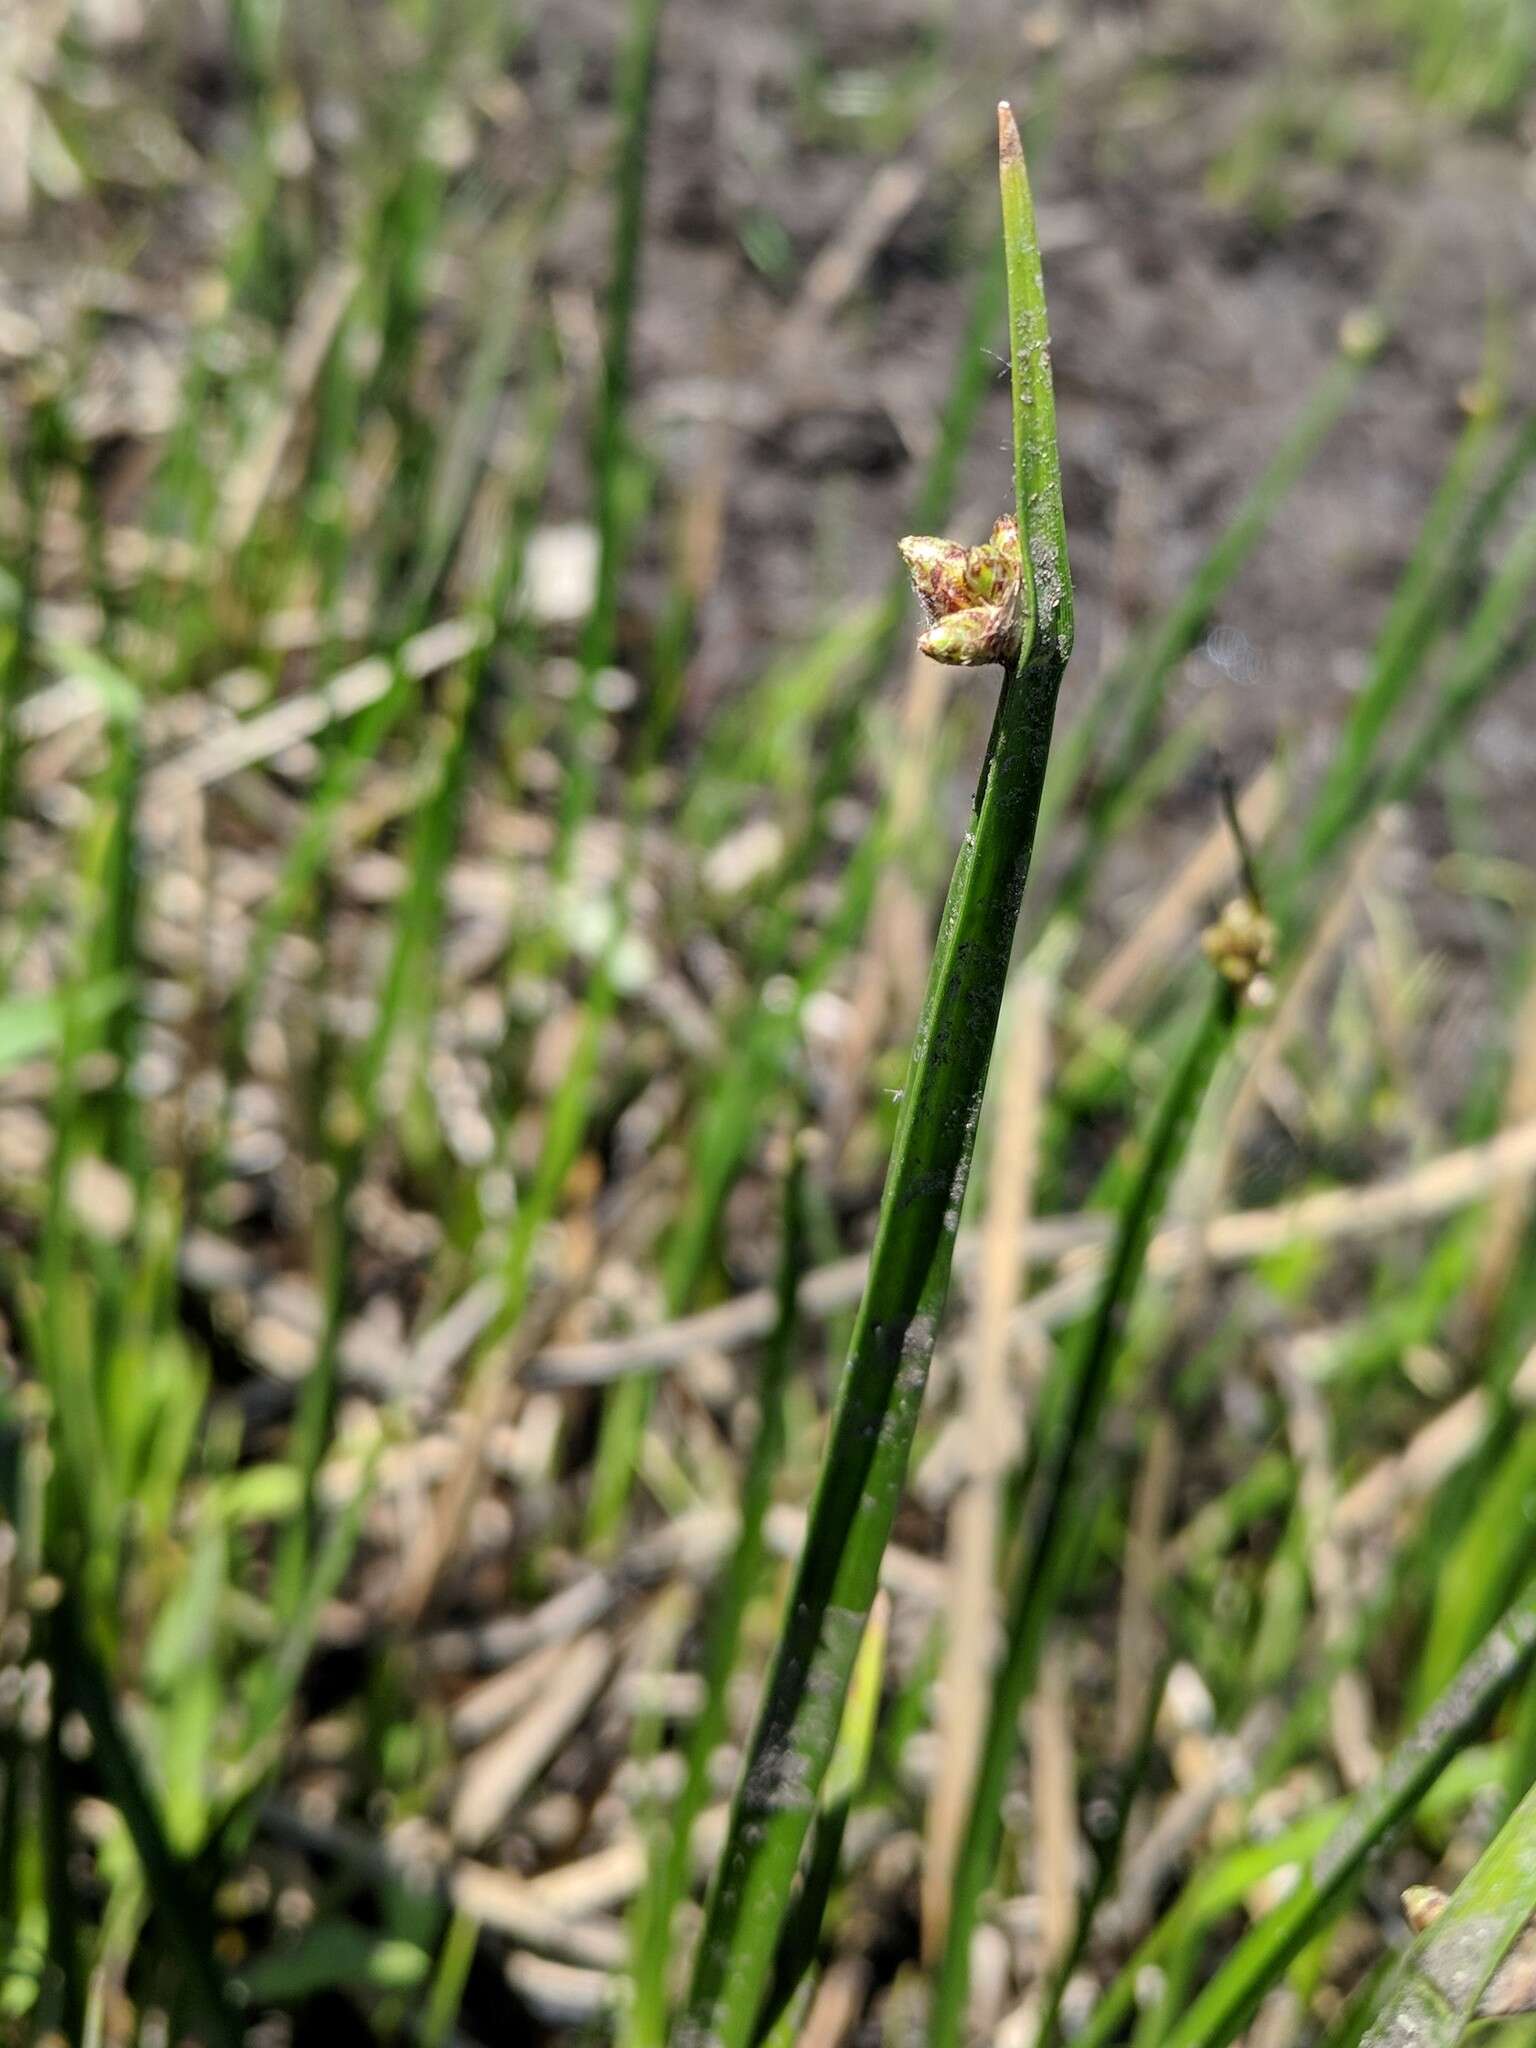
[(971, 596), (1240, 945)]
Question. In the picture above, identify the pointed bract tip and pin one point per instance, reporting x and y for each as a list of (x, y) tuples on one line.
[(1009, 148)]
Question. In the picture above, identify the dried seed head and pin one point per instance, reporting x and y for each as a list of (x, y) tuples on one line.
[(1240, 945), (970, 596), (1362, 333)]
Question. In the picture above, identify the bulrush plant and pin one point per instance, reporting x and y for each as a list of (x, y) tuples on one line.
[(1008, 602)]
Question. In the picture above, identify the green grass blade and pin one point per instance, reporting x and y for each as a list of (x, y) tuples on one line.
[(1496, 639), (892, 1345), (33, 1025), (1230, 1999), (646, 2021), (1433, 1995), (1055, 1526), (1416, 611), (611, 459), (172, 1883), (33, 456), (845, 1778), (1036, 459)]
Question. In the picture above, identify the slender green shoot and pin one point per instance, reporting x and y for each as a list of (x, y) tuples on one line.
[(1226, 2004), (612, 463), (1438, 1988), (844, 1781), (1050, 1539), (173, 1884), (645, 2023), (892, 1345)]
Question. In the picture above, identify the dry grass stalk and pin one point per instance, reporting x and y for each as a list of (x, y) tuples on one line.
[(561, 1994), (250, 481), (1334, 1215), (1053, 1783), (503, 1902), (1349, 1703), (1431, 1455), (1138, 1635), (838, 2004), (497, 1776), (838, 267), (1184, 1818), (352, 690)]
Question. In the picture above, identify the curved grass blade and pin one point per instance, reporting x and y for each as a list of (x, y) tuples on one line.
[(887, 1371), (1233, 1995), (1436, 1990)]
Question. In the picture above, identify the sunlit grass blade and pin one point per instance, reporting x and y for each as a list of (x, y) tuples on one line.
[(881, 1393), (844, 1780), (174, 1886), (1259, 1960), (1434, 1994)]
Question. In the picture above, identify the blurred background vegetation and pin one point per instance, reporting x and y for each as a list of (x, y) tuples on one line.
[(471, 836)]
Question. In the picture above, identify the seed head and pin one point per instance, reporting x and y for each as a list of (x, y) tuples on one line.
[(1240, 945), (970, 596)]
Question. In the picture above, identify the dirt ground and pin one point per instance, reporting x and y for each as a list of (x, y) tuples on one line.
[(1221, 188)]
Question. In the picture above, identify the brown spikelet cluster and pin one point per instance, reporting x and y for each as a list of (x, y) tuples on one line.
[(971, 596)]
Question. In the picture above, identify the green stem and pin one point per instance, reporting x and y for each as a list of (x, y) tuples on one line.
[(648, 2014), (802, 1932), (172, 1883), (887, 1370), (610, 443), (1227, 2002), (1434, 1994), (1039, 1586)]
